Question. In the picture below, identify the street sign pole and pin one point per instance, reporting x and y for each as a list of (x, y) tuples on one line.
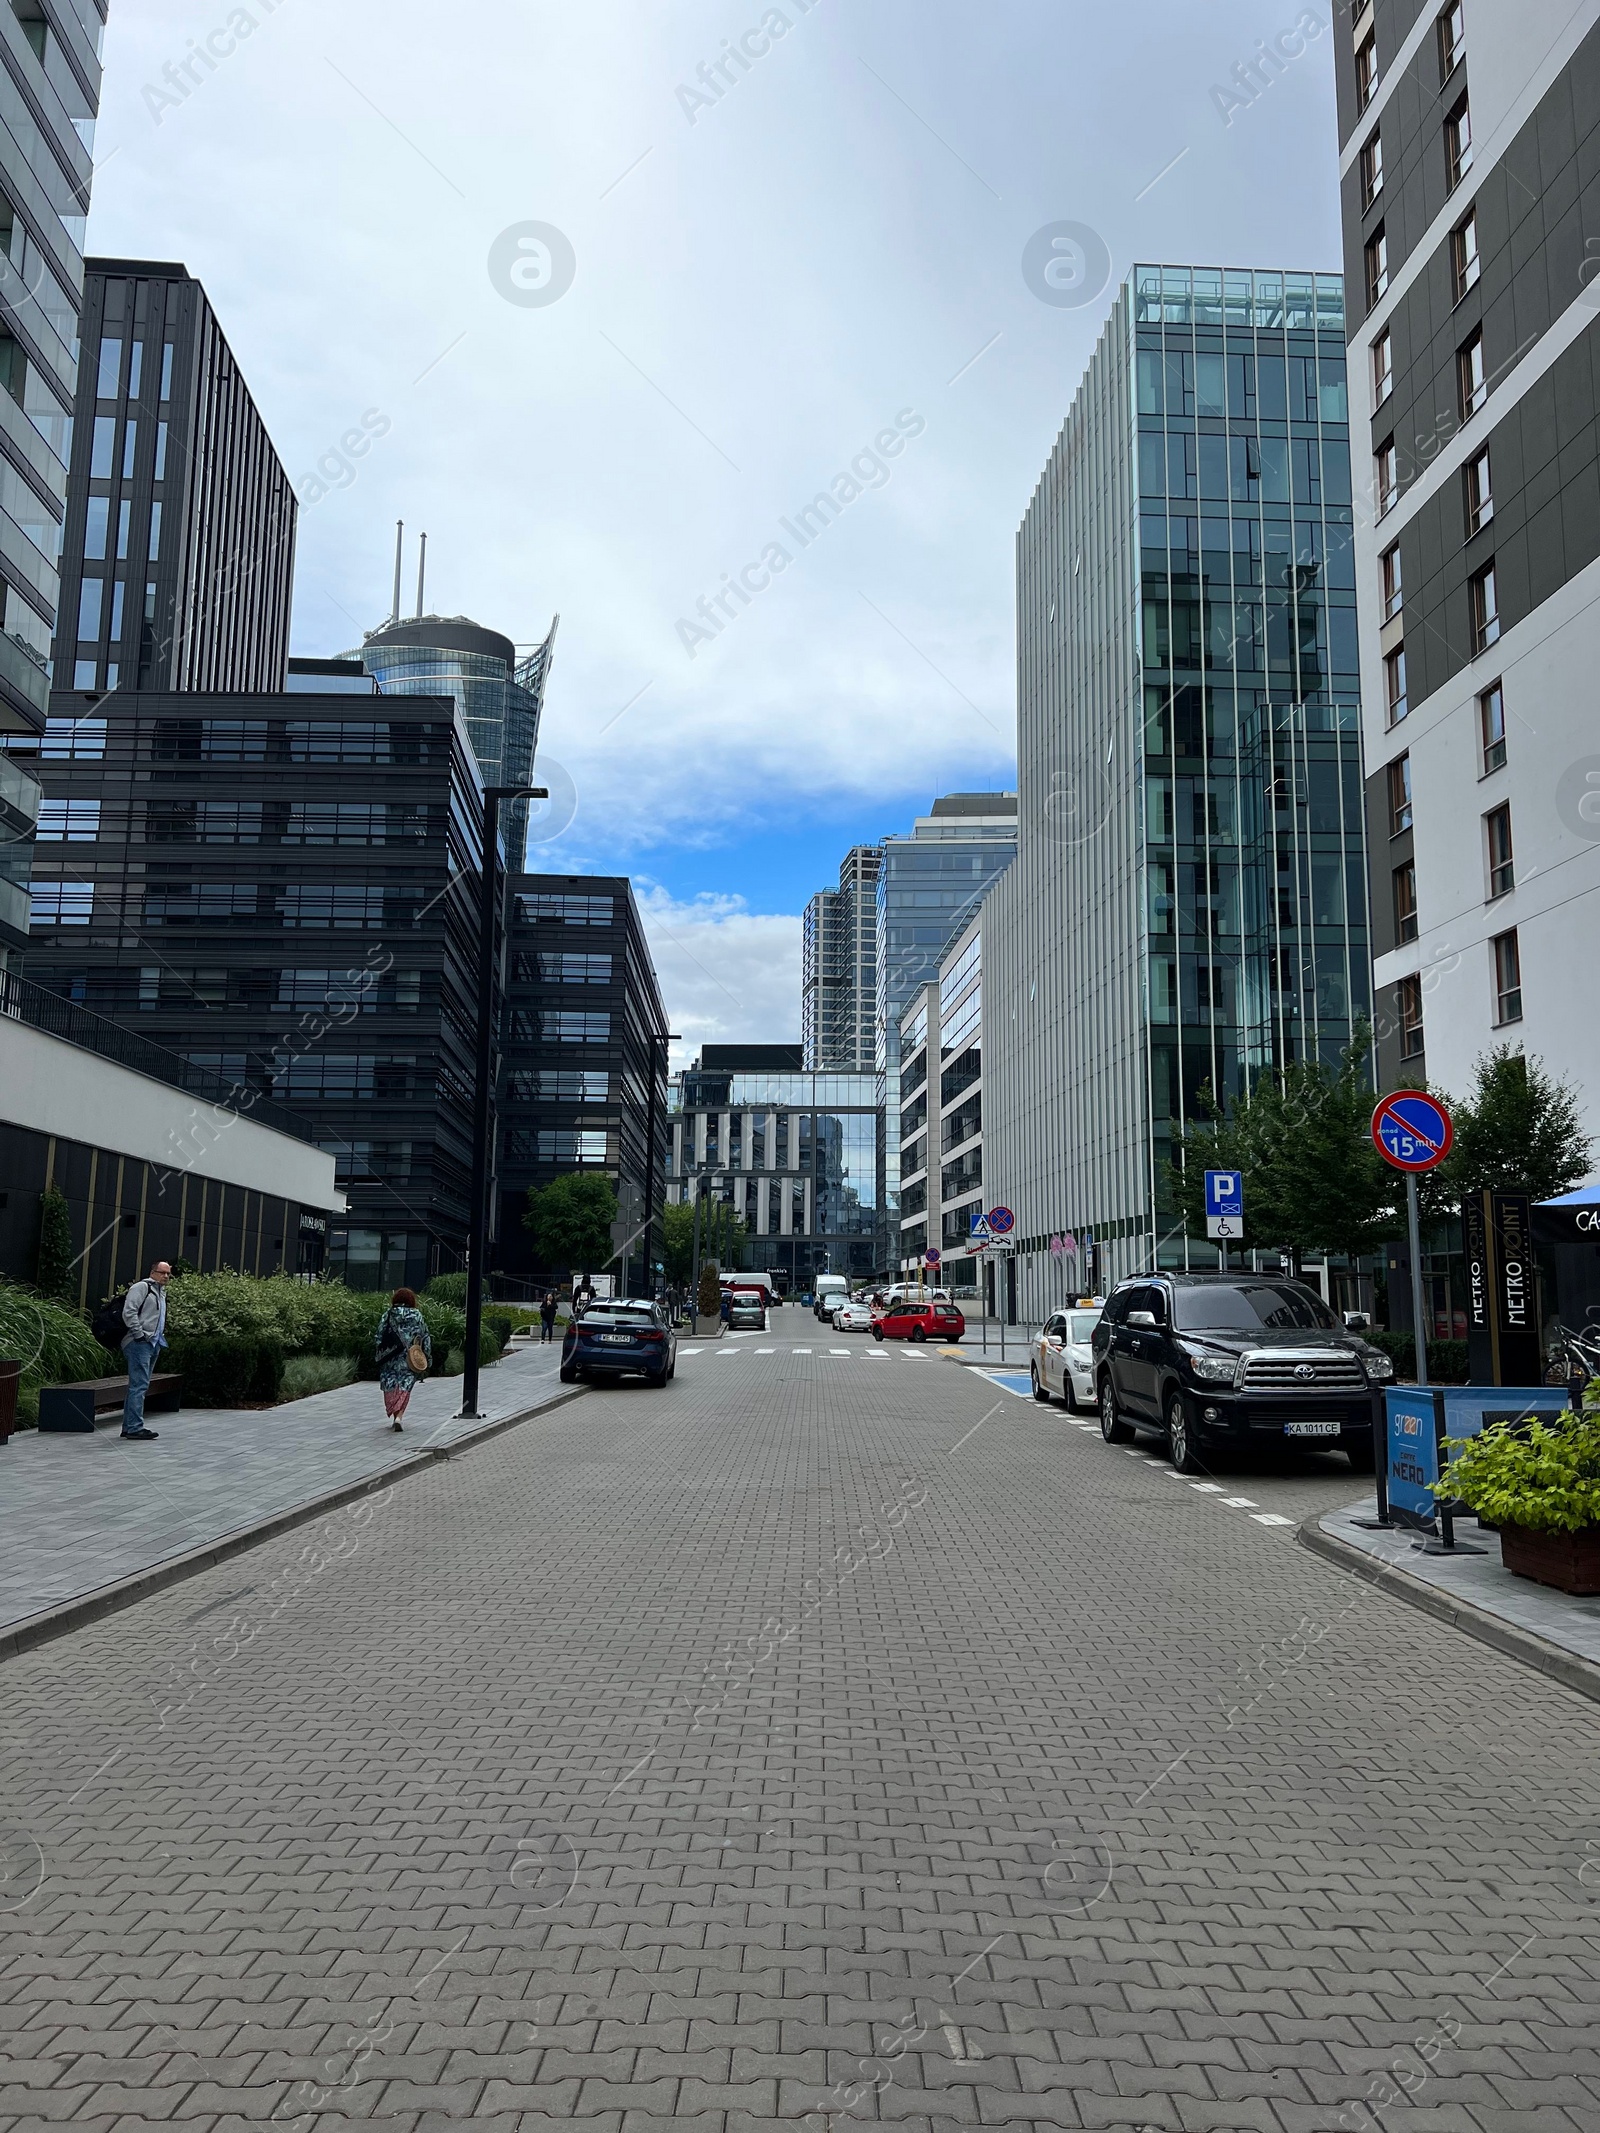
[(1418, 1321)]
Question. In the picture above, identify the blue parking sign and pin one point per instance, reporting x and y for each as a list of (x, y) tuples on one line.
[(1224, 1193)]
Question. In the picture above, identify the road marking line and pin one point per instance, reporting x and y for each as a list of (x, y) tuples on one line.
[(766, 1351), (799, 1351), (1240, 1503), (838, 1351), (1270, 1518), (976, 1427), (1207, 1488)]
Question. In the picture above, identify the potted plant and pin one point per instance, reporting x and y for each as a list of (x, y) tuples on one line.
[(708, 1313), (1539, 1483)]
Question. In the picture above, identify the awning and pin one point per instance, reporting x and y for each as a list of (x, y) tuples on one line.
[(1570, 1218)]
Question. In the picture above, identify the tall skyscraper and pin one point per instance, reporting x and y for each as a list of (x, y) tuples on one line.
[(50, 59), (930, 886), (179, 557), (500, 697), (838, 1005), (1188, 907), (1471, 200)]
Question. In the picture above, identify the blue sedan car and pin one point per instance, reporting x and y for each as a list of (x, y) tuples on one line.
[(618, 1340)]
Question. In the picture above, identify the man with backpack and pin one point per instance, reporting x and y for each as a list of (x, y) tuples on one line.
[(144, 1314)]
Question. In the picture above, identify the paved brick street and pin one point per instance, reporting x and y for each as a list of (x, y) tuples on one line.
[(821, 1737)]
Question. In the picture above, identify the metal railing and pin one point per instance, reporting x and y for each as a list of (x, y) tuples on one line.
[(23, 1001)]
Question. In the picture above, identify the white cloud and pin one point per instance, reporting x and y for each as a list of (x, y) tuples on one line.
[(728, 974)]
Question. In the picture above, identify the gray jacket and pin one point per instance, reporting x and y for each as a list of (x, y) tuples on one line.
[(141, 1314)]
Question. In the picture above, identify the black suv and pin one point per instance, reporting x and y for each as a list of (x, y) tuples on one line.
[(1208, 1360)]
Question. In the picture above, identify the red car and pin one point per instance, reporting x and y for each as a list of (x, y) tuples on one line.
[(919, 1322)]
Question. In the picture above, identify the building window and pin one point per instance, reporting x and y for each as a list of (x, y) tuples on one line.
[(1394, 684), (1502, 863), (1377, 257), (1458, 144), (1371, 171), (69, 821), (1485, 601), (1408, 998), (1366, 71), (1382, 369), (61, 903), (1452, 40), (1472, 388), (1399, 795), (1492, 728), (1386, 476), (1389, 579), (1479, 493), (1507, 978), (1405, 902), (1464, 255)]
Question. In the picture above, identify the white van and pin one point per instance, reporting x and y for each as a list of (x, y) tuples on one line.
[(829, 1290)]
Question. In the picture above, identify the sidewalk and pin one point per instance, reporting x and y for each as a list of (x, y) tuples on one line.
[(79, 1515), (1549, 1630)]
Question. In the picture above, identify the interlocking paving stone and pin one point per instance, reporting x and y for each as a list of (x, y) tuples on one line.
[(781, 1762)]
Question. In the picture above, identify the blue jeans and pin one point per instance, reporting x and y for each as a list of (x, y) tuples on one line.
[(141, 1358)]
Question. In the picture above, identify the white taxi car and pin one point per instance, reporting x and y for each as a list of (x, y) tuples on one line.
[(1060, 1363)]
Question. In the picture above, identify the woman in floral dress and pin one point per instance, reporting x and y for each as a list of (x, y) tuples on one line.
[(401, 1329)]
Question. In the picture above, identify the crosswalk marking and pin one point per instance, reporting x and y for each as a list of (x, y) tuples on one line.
[(1270, 1518)]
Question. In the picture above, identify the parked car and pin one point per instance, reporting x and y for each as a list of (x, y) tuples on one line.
[(926, 1322), (907, 1292), (1062, 1358), (619, 1340), (1209, 1361), (746, 1309), (853, 1317)]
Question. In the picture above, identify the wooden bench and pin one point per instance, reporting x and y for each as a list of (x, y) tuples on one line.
[(70, 1410)]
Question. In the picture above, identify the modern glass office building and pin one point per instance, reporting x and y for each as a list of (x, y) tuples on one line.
[(797, 1154), (49, 98), (500, 696), (1189, 905)]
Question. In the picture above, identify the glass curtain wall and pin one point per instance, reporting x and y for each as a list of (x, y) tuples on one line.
[(1253, 826)]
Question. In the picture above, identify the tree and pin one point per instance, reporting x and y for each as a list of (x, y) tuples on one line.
[(1520, 1131), (677, 1221), (709, 1299), (1300, 1139), (571, 1220), (53, 1261)]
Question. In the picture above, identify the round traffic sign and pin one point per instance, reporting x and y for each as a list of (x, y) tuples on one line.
[(930, 1258), (1412, 1130), (1002, 1221)]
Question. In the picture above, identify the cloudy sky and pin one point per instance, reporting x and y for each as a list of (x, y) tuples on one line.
[(736, 282)]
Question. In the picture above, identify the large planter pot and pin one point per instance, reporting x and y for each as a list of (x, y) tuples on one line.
[(10, 1385), (707, 1328), (1568, 1561)]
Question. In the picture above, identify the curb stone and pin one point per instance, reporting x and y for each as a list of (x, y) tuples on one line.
[(1580, 1675), (112, 1599)]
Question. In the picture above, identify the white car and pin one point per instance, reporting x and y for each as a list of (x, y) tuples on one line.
[(1060, 1362), (853, 1318)]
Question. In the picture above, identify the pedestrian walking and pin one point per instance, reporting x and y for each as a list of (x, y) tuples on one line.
[(547, 1317), (405, 1352), (144, 1313)]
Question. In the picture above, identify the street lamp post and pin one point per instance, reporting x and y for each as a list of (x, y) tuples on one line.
[(657, 1037), (478, 1214)]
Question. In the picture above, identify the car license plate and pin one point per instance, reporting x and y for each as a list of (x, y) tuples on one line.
[(621, 1340), (1311, 1429)]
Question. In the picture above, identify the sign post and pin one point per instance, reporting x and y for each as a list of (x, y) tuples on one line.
[(1001, 1222), (1413, 1132), (1224, 1208)]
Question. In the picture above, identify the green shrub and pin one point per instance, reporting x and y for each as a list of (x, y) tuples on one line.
[(454, 1364), (305, 1318), (53, 1262), (53, 1344), (304, 1375), (505, 1319), (448, 1289), (1542, 1475), (1447, 1360), (226, 1369)]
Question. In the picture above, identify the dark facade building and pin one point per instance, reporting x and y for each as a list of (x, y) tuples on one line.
[(798, 1155), (281, 888), (179, 551), (1470, 176), (839, 985), (583, 1063)]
